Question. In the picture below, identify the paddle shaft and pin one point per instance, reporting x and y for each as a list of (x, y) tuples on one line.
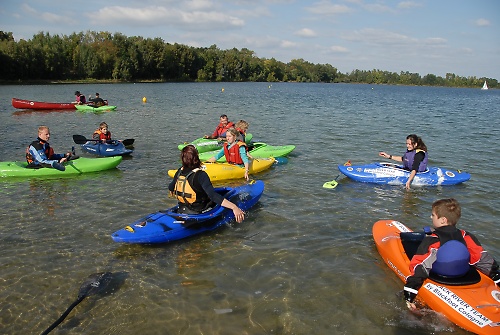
[(80, 139), (64, 315)]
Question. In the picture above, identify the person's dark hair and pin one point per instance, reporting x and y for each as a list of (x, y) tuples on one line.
[(223, 116), (417, 140), (189, 157), (77, 92)]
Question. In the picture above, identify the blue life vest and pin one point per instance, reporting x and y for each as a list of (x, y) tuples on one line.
[(409, 157), (452, 259)]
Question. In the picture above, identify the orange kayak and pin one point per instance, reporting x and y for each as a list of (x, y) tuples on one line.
[(471, 302)]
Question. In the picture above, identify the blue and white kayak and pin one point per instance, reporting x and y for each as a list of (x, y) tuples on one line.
[(115, 148), (167, 226), (394, 174)]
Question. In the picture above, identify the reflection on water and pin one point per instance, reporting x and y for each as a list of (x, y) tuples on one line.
[(303, 261)]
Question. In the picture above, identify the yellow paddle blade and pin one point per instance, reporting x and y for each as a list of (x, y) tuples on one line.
[(330, 184)]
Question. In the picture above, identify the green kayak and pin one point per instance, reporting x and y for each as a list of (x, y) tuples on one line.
[(258, 150), (87, 108), (74, 167), (208, 144)]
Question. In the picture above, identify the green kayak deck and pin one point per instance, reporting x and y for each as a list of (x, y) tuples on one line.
[(74, 167), (87, 108), (258, 150)]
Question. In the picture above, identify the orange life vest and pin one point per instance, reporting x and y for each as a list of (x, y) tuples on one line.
[(103, 136), (183, 190)]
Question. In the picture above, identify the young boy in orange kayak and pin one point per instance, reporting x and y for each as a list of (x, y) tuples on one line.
[(447, 251)]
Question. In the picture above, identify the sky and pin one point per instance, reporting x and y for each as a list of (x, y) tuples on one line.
[(417, 36)]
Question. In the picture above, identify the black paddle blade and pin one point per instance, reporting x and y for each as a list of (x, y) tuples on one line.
[(79, 139), (129, 141), (94, 284)]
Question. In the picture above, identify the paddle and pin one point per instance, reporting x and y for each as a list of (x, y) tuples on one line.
[(333, 183), (92, 285), (80, 139)]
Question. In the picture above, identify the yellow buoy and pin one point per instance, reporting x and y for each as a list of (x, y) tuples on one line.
[(144, 99), (222, 89)]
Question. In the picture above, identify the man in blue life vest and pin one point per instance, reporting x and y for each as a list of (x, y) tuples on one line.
[(40, 154)]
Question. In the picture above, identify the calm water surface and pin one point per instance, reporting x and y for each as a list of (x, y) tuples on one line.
[(303, 262)]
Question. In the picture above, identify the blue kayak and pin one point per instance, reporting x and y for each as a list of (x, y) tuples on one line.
[(167, 226), (394, 174), (115, 148)]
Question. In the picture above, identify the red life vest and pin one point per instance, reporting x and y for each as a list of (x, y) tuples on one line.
[(221, 130), (103, 136), (233, 154)]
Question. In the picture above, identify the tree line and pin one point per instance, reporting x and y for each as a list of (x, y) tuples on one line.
[(105, 56)]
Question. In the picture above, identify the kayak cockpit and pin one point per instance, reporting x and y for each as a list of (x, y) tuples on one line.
[(411, 241)]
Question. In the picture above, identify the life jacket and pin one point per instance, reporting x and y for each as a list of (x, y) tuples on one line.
[(39, 145), (81, 99), (233, 154), (186, 194), (409, 157), (103, 136), (221, 130)]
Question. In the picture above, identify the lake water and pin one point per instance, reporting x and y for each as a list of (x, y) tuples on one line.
[(303, 262)]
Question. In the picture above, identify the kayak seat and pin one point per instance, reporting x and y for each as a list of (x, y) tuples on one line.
[(411, 241), (471, 277)]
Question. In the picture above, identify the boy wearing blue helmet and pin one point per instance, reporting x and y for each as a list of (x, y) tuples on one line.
[(447, 251)]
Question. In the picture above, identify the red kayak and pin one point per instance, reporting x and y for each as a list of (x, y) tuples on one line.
[(29, 104)]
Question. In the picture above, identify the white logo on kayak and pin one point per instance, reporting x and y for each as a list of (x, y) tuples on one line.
[(458, 304)]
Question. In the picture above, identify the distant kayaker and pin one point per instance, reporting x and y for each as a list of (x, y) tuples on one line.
[(414, 159), (40, 154), (80, 98), (194, 190), (234, 150), (102, 133), (220, 131), (97, 101), (447, 251)]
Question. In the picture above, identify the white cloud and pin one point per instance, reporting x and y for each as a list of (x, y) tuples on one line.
[(378, 36), (46, 16), (158, 15), (408, 4), (338, 49), (327, 8), (482, 22), (288, 44), (305, 32)]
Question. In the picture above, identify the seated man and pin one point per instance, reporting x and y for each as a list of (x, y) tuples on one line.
[(40, 154), (97, 101), (220, 131)]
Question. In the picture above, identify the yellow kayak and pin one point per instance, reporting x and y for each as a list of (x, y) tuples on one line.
[(223, 171)]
